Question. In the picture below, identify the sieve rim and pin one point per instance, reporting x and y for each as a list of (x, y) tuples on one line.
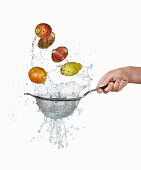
[(54, 99)]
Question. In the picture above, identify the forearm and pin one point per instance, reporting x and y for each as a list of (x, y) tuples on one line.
[(134, 74)]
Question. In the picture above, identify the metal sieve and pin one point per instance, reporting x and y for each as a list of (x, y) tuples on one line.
[(57, 108)]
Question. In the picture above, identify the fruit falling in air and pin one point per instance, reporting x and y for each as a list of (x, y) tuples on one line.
[(43, 30), (37, 75), (70, 68), (59, 54), (46, 42)]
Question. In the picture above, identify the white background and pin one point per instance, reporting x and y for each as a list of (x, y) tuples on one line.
[(111, 31)]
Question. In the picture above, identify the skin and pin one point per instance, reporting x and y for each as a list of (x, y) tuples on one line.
[(59, 54), (70, 68), (118, 78), (46, 42), (37, 75), (43, 30)]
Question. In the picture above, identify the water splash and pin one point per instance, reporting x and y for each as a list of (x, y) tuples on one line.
[(59, 131), (32, 51), (58, 86)]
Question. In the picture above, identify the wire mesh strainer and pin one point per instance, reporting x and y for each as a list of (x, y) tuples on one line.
[(57, 108)]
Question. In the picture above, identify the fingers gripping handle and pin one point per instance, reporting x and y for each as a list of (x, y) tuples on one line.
[(104, 87)]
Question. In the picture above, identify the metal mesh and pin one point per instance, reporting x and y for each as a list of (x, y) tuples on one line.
[(57, 109)]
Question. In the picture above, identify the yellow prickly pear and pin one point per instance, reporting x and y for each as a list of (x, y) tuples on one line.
[(70, 68)]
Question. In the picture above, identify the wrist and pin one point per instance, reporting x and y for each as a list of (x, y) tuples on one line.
[(133, 74)]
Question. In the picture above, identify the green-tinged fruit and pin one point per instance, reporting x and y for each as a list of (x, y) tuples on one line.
[(70, 68), (46, 42)]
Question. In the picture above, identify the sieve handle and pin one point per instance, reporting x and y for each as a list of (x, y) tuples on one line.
[(104, 87)]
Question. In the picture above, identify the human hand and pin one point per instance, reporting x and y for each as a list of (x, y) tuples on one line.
[(116, 79)]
